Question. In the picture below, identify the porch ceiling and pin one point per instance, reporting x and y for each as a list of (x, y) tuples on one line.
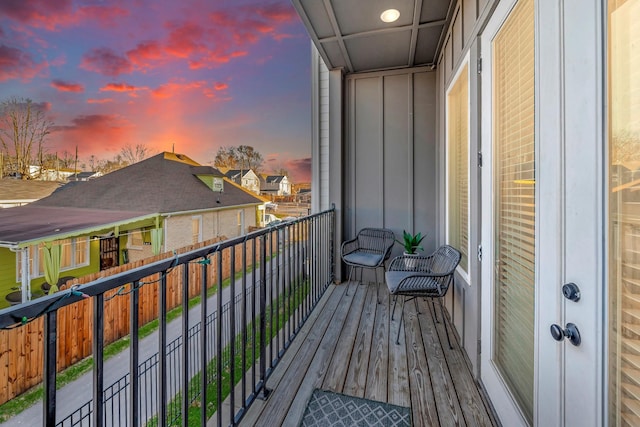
[(350, 34)]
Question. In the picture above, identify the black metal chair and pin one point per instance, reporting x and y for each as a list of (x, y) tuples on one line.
[(369, 249), (419, 276)]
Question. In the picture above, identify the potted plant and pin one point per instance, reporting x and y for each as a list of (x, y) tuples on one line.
[(411, 243)]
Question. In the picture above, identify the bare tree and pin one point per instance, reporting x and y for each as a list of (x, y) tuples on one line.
[(226, 157), (92, 162), (249, 158), (23, 132), (281, 172), (66, 160), (131, 154)]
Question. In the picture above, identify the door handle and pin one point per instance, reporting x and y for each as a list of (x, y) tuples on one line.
[(570, 331), (571, 292)]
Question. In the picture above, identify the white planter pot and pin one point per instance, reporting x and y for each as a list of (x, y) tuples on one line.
[(411, 262)]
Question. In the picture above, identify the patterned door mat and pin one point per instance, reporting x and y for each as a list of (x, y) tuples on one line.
[(328, 409)]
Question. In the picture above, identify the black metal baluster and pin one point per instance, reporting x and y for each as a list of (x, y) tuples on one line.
[(203, 344), (278, 292), (134, 299), (219, 341), (253, 316), (49, 378), (98, 360), (162, 350), (185, 344), (244, 325), (263, 317), (232, 334), (281, 290), (270, 279)]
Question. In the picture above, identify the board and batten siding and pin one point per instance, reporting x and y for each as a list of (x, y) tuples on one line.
[(390, 160)]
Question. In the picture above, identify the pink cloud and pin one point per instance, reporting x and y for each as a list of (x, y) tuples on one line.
[(106, 61), (16, 63), (95, 132), (99, 101), (172, 89), (105, 16), (39, 13), (185, 40), (52, 14), (145, 53), (299, 169), (63, 86), (118, 87)]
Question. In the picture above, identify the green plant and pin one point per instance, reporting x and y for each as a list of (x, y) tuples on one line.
[(411, 242)]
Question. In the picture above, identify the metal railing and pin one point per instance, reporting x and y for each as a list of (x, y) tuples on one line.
[(249, 323)]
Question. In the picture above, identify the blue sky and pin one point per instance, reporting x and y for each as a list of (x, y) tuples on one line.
[(197, 74)]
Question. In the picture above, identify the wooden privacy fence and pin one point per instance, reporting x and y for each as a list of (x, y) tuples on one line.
[(22, 348)]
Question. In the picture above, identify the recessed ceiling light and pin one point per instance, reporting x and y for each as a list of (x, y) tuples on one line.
[(390, 15)]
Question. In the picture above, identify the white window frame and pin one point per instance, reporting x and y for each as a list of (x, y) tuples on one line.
[(34, 258), (199, 219), (466, 61)]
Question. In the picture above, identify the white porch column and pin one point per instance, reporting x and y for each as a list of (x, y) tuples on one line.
[(26, 278)]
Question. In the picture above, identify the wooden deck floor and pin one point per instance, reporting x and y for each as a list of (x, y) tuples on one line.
[(348, 346)]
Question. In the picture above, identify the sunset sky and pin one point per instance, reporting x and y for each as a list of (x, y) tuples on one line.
[(199, 74)]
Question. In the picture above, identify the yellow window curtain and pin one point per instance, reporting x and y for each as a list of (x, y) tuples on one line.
[(156, 240), (51, 255)]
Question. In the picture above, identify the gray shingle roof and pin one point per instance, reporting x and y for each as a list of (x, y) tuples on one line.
[(30, 222), (164, 183), (17, 189)]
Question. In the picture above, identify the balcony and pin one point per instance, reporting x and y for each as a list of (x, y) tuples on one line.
[(284, 308), (348, 346)]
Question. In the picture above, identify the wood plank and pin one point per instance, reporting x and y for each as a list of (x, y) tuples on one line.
[(378, 374), (337, 370), (398, 383), (356, 380), (288, 387), (472, 404), (423, 405), (446, 398), (321, 359), (419, 371), (283, 366)]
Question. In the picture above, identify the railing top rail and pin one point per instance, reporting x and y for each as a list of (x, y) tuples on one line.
[(23, 313)]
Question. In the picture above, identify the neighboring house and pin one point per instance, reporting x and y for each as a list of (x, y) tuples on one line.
[(18, 192), (162, 203), (304, 195), (59, 174), (276, 185), (246, 178), (85, 176)]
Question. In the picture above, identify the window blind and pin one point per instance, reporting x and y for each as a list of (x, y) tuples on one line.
[(624, 211), (514, 202), (458, 147)]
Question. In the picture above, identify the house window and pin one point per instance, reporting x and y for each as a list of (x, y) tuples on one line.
[(74, 253), (240, 223), (196, 229), (135, 240), (458, 165), (623, 54), (514, 208)]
